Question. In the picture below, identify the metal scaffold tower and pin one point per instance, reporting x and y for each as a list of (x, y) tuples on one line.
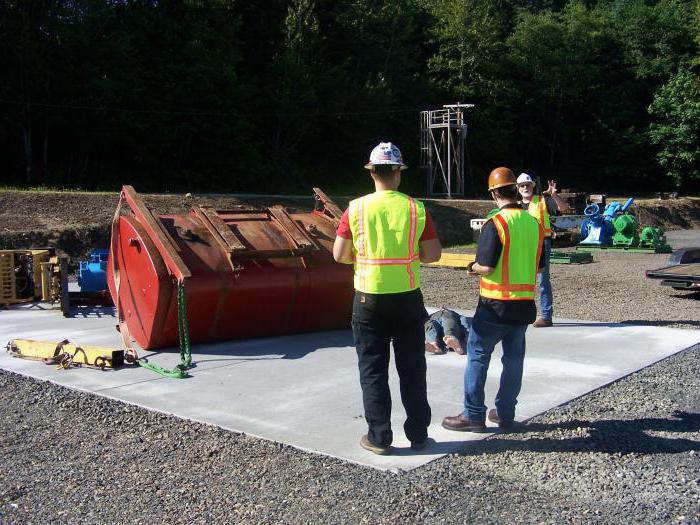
[(442, 149)]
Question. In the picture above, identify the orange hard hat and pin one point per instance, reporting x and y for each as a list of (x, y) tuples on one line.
[(501, 177)]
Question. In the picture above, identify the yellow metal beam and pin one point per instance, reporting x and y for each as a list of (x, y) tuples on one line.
[(66, 354), (454, 260)]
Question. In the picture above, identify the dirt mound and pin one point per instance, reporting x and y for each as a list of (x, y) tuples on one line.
[(676, 214), (76, 222)]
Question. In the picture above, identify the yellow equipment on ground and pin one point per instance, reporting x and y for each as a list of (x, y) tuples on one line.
[(66, 354), (454, 260), (33, 275)]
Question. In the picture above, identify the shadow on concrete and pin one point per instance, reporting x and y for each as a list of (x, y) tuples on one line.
[(565, 324), (607, 436), (661, 323), (87, 312), (286, 347)]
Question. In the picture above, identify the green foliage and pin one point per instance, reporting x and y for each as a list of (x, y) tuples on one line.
[(282, 95), (656, 37), (565, 77), (676, 108)]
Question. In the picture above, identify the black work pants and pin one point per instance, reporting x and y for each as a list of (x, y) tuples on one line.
[(378, 320)]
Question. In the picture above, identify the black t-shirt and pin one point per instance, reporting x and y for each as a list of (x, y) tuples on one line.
[(495, 310)]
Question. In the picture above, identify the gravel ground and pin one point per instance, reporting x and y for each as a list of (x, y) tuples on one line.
[(610, 289), (626, 453)]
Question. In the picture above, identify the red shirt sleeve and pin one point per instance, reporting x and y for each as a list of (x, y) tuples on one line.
[(344, 227), (429, 232)]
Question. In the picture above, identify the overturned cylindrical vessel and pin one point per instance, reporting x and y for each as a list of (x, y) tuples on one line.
[(246, 273)]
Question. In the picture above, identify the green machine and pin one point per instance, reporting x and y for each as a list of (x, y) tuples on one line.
[(652, 236), (626, 227), (627, 236)]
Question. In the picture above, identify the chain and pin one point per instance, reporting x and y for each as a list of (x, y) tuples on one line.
[(180, 371)]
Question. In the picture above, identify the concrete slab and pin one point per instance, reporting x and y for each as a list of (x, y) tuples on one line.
[(303, 390)]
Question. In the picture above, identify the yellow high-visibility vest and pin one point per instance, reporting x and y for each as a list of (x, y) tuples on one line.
[(538, 209), (386, 228), (515, 274)]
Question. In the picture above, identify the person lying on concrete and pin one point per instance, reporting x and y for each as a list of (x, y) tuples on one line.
[(541, 208), (507, 260), (446, 330), (386, 235)]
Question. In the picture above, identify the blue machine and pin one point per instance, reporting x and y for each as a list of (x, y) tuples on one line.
[(92, 274), (597, 228)]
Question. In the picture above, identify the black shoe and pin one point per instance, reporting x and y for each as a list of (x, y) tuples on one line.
[(419, 445), (462, 423), (368, 445), (493, 417)]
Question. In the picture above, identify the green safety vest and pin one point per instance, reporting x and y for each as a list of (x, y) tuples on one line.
[(515, 274), (538, 209), (386, 228)]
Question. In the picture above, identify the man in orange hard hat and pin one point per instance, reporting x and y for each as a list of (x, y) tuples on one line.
[(507, 261), (386, 235)]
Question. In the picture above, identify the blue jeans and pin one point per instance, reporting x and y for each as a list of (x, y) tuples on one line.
[(446, 322), (483, 337), (544, 284)]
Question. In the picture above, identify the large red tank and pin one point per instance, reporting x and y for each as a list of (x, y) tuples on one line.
[(247, 273)]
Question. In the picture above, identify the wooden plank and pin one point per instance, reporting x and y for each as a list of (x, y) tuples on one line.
[(454, 260), (218, 239), (223, 230), (160, 237), (330, 207), (291, 228)]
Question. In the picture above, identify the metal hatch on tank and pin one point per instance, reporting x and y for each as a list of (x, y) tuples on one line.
[(247, 273)]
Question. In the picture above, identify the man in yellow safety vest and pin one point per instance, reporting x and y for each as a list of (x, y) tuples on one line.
[(507, 261), (386, 235), (541, 207)]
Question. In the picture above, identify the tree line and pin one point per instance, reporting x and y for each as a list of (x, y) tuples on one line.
[(282, 95)]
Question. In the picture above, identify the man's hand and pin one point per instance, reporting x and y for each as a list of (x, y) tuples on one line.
[(477, 270), (551, 188)]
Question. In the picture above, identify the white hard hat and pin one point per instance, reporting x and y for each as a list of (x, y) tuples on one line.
[(385, 153), (524, 177)]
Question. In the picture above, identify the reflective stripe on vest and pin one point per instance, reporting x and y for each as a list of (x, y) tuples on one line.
[(386, 228), (515, 274), (538, 209)]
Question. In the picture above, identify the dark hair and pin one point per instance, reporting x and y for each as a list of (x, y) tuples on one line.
[(384, 170), (507, 192)]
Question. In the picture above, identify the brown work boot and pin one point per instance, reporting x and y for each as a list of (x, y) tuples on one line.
[(453, 343), (493, 417), (433, 348), (368, 445), (462, 423), (542, 323)]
